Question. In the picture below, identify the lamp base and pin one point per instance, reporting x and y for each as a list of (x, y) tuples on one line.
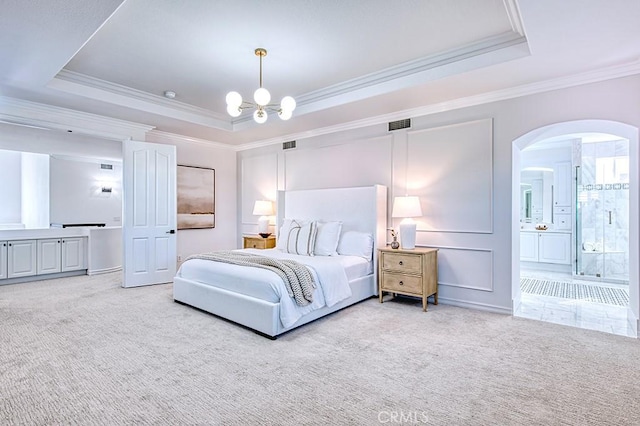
[(407, 235), (263, 225)]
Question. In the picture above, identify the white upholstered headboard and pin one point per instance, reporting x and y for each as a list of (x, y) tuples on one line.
[(360, 209)]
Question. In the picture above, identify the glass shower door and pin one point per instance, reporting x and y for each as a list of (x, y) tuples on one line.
[(602, 212)]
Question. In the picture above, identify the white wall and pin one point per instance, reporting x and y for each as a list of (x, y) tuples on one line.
[(35, 190), (223, 160), (476, 257), (10, 189), (76, 191)]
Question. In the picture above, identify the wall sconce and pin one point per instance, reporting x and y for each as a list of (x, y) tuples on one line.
[(407, 208), (263, 209)]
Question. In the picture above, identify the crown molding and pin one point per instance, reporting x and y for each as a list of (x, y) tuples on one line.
[(594, 76), (513, 12), (117, 94), (167, 137), (49, 117)]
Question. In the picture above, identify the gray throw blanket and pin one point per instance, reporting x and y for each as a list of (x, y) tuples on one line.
[(296, 277)]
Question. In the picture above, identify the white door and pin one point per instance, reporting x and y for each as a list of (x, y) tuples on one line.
[(149, 203)]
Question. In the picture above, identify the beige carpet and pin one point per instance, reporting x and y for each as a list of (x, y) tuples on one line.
[(85, 351)]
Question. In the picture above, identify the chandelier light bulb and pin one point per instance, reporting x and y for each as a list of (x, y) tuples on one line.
[(234, 111), (284, 114), (260, 116), (234, 99), (262, 96), (288, 103)]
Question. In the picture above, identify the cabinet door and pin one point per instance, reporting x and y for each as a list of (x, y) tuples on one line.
[(49, 256), (562, 184), (554, 248), (562, 221), (21, 257), (3, 260), (73, 254), (529, 246)]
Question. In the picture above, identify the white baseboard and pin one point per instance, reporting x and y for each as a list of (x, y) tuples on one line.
[(475, 305), (104, 271)]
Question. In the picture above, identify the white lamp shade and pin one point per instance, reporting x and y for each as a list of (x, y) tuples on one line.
[(263, 208), (408, 206), (262, 96)]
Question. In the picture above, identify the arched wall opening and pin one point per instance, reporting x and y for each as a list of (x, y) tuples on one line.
[(621, 130)]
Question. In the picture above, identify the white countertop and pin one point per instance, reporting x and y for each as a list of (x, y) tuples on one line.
[(554, 231), (32, 234)]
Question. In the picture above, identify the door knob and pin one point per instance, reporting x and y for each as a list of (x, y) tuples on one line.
[(173, 231)]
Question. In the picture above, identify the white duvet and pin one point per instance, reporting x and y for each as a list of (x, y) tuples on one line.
[(328, 272), (332, 285)]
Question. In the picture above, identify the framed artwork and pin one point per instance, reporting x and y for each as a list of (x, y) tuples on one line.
[(196, 197)]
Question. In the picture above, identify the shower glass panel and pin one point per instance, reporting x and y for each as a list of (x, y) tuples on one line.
[(602, 211)]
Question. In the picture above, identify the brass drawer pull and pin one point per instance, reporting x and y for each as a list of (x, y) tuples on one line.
[(400, 263), (401, 283)]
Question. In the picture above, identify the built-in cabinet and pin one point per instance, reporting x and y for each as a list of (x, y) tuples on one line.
[(545, 247), (21, 258), (562, 198), (73, 250), (3, 260), (24, 258), (49, 255)]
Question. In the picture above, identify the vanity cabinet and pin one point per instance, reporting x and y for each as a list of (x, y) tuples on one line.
[(3, 259), (42, 256), (21, 258), (49, 255), (562, 179), (545, 247), (73, 258)]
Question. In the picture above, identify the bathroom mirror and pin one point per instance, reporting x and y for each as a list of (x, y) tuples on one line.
[(536, 195)]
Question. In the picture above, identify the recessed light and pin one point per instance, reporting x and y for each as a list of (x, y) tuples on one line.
[(169, 94)]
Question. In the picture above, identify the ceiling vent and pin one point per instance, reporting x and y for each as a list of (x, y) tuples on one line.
[(289, 145), (106, 166), (400, 124)]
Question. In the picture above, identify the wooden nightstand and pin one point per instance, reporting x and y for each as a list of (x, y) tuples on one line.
[(409, 272), (257, 242)]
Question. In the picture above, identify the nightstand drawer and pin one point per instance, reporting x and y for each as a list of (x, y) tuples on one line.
[(402, 283), (402, 262), (259, 242)]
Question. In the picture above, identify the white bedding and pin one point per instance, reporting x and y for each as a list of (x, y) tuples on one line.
[(331, 274)]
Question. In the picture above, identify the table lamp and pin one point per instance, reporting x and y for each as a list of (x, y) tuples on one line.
[(264, 209), (407, 208)]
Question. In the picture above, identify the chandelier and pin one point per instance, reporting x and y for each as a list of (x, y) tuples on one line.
[(261, 98)]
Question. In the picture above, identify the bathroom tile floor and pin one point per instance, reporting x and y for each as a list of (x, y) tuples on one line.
[(573, 312)]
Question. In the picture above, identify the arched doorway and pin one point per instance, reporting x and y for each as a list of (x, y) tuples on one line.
[(577, 130)]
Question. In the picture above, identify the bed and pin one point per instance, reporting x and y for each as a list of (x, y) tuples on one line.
[(253, 297)]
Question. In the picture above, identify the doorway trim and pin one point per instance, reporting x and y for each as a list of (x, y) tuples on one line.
[(622, 130)]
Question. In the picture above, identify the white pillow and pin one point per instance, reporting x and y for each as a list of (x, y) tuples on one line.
[(327, 238), (284, 231), (298, 238), (355, 243)]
